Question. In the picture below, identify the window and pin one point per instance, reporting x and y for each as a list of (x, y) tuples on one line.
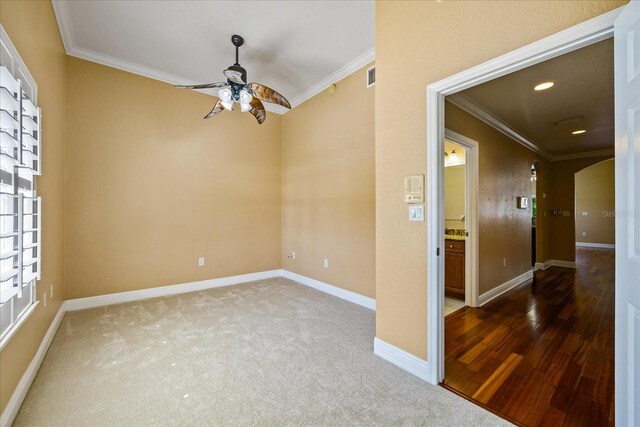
[(20, 207)]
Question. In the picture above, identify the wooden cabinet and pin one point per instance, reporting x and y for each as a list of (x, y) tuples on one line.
[(454, 274)]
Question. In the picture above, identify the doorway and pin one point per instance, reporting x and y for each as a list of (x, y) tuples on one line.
[(575, 38)]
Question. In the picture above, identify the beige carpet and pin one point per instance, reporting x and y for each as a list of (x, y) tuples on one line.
[(267, 353)]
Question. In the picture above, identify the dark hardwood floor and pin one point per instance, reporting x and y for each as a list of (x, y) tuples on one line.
[(541, 354)]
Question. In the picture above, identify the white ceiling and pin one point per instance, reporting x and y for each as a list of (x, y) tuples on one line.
[(583, 87), (298, 48)]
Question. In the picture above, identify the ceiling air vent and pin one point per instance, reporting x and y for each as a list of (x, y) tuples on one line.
[(371, 76)]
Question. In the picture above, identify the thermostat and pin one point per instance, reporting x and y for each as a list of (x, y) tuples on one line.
[(414, 189)]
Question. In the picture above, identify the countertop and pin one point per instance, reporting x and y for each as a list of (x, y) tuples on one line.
[(454, 237)]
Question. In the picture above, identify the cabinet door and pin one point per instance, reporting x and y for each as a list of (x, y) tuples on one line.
[(454, 272)]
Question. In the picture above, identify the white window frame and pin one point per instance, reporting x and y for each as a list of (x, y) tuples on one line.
[(21, 221)]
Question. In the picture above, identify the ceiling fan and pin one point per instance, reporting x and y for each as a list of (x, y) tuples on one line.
[(236, 89)]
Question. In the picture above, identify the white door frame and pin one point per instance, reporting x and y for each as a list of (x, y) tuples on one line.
[(470, 215), (573, 38)]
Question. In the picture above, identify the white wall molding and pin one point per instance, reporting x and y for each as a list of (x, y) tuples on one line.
[(13, 406), (542, 265), (595, 245), (336, 76), (341, 293), (162, 291), (584, 155), (71, 47), (402, 359), (505, 287), (561, 263), (471, 107)]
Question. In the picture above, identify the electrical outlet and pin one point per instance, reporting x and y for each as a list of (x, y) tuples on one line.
[(585, 213), (45, 299), (200, 261), (584, 234), (292, 256), (51, 291), (504, 262), (326, 263)]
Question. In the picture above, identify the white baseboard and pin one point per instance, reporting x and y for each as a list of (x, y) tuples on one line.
[(162, 291), (402, 359), (507, 286), (353, 297), (595, 245), (13, 406), (542, 265), (560, 263), (10, 412)]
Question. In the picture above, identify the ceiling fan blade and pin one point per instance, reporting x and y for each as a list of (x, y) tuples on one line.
[(234, 75), (216, 109), (257, 109), (269, 95), (202, 86)]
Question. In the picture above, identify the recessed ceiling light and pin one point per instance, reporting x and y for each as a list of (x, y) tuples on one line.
[(578, 132), (543, 86)]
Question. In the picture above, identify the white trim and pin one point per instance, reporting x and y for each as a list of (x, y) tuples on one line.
[(472, 179), (11, 410), (464, 103), (402, 359), (560, 263), (336, 76), (585, 154), (471, 107), (542, 265), (586, 33), (344, 294), (19, 63), (162, 291), (23, 318), (61, 11), (393, 354), (505, 287), (595, 245)]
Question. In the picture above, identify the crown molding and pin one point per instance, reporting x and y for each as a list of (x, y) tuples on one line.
[(341, 73), (61, 11), (466, 104), (585, 154), (471, 107)]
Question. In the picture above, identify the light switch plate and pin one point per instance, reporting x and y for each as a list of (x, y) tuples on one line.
[(416, 213)]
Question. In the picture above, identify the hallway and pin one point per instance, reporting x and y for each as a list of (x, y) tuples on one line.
[(541, 354)]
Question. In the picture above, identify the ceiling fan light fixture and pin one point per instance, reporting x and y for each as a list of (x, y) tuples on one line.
[(245, 96), (236, 88), (225, 94)]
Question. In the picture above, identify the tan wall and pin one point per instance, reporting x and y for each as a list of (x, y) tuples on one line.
[(33, 30), (328, 186), (151, 186), (595, 194), (562, 228), (420, 41), (454, 196), (504, 173)]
